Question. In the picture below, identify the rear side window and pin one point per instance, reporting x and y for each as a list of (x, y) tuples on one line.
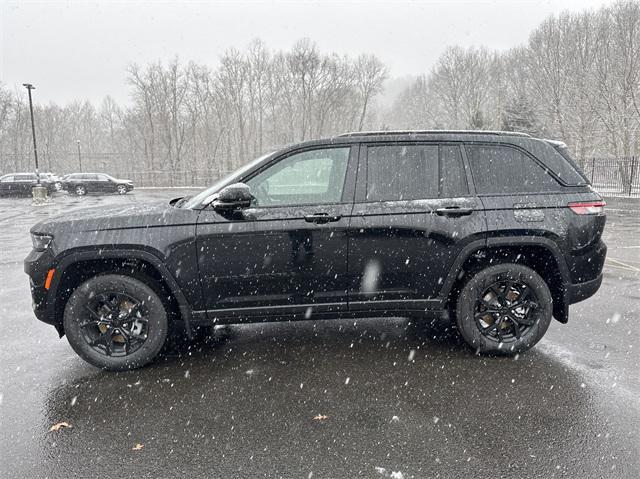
[(501, 169), (411, 172), (402, 172)]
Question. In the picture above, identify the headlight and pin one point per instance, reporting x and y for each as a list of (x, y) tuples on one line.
[(41, 242)]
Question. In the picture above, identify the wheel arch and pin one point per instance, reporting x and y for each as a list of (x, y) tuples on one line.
[(540, 254), (76, 267)]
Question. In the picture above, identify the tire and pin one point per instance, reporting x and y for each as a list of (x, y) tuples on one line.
[(484, 313), (121, 189), (80, 190), (124, 318)]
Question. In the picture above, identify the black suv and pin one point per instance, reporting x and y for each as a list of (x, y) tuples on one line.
[(21, 184), (501, 230), (82, 183)]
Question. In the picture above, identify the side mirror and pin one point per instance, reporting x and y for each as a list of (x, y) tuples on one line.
[(233, 197)]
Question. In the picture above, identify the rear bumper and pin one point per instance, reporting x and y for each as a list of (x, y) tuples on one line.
[(581, 291)]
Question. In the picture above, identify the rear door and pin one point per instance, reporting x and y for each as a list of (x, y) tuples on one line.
[(104, 184), (413, 215)]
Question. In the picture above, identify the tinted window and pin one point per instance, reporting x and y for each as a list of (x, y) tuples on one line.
[(24, 177), (402, 172), (6, 179), (503, 169), (310, 177), (453, 179)]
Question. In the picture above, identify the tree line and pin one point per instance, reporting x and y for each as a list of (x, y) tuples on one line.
[(576, 79)]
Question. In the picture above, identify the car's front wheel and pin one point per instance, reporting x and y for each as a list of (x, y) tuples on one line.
[(115, 322), (121, 189), (80, 190), (504, 309)]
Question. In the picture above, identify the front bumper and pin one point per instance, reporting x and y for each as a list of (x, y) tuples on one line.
[(36, 265)]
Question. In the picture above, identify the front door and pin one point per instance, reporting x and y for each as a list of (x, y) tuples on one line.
[(289, 252), (412, 216)]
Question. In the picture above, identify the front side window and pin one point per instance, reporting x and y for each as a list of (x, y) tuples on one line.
[(505, 170), (310, 177)]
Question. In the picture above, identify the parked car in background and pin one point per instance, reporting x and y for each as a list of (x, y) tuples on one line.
[(83, 183), (20, 184), (54, 179)]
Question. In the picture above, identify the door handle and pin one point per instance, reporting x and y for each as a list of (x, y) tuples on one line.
[(454, 211), (321, 218)]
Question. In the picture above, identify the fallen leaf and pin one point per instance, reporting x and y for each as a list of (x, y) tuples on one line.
[(58, 426), (320, 417), (137, 447)]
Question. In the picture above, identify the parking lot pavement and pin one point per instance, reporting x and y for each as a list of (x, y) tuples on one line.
[(368, 398)]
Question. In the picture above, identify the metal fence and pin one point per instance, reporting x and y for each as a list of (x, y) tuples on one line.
[(171, 179), (614, 176)]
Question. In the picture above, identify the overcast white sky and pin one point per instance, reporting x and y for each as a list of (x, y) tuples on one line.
[(80, 50)]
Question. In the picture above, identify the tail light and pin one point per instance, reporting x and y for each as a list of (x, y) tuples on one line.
[(588, 207)]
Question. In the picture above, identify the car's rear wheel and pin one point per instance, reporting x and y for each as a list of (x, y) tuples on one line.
[(504, 309), (121, 189), (80, 190), (115, 322)]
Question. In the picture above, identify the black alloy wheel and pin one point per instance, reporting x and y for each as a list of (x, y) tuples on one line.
[(116, 322), (504, 309)]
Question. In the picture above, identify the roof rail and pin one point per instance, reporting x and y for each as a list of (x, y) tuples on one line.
[(434, 132)]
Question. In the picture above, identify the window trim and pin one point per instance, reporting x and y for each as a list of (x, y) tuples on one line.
[(545, 169), (349, 177)]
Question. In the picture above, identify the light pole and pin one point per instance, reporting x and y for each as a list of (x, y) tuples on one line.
[(30, 87), (79, 156), (38, 191)]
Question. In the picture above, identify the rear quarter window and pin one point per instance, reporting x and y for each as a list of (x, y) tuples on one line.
[(501, 169)]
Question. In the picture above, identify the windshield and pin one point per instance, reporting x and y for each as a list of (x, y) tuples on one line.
[(200, 198)]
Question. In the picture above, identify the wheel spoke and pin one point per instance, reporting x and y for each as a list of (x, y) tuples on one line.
[(498, 331), (488, 329), (93, 313), (525, 320), (131, 313), (127, 340), (90, 322), (516, 327)]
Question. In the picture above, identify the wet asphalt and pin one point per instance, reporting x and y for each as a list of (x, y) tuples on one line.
[(328, 399)]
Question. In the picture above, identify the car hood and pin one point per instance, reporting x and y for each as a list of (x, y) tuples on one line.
[(100, 218)]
